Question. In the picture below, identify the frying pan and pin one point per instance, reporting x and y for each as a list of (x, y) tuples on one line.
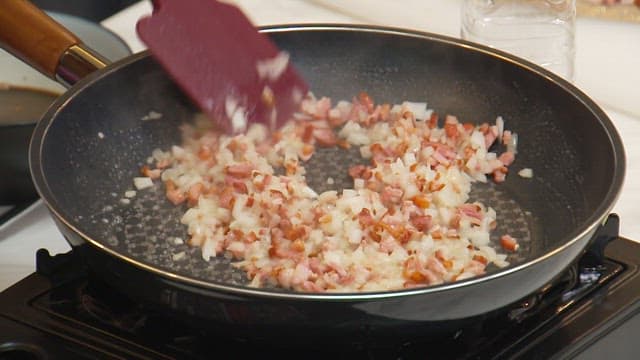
[(92, 142)]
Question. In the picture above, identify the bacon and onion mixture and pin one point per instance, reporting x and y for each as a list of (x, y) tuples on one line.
[(406, 222)]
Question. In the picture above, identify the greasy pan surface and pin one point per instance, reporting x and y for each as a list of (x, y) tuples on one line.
[(87, 149)]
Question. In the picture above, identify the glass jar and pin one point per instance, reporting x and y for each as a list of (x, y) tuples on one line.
[(541, 31)]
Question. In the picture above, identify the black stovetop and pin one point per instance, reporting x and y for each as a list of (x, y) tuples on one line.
[(62, 312)]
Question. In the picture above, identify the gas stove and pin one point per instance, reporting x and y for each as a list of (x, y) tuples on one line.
[(62, 311)]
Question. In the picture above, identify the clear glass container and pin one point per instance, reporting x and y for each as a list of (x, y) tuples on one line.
[(541, 31)]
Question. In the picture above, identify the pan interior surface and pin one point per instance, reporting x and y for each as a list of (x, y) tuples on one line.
[(97, 142)]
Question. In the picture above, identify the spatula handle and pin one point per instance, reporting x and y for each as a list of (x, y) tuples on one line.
[(31, 35)]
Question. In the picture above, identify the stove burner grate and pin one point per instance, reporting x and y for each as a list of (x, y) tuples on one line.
[(96, 306)]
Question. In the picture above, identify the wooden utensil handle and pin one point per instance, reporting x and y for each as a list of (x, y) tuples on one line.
[(30, 34)]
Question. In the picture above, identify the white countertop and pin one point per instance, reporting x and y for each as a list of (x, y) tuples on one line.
[(606, 69)]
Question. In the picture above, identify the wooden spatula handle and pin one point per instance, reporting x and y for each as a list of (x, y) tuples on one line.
[(30, 34)]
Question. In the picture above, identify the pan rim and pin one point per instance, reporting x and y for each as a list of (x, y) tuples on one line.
[(588, 226)]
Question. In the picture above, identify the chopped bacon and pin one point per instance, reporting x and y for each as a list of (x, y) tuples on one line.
[(391, 196), (227, 198), (277, 197), (325, 137), (298, 245), (378, 151), (489, 139), (453, 234), (174, 194), (240, 187), (506, 137), (236, 146), (436, 234), (342, 143), (366, 100), (408, 115), (364, 218), (421, 222), (446, 151), (509, 243), (356, 171), (481, 259), (317, 266), (471, 210), (468, 152), (205, 152), (499, 176), (358, 114), (454, 223), (400, 150), (306, 152), (451, 126), (433, 186), (312, 287), (307, 133), (194, 193), (507, 158), (262, 182), (241, 170), (468, 128), (433, 120), (297, 233), (388, 244), (436, 266), (382, 112), (153, 174), (475, 267)]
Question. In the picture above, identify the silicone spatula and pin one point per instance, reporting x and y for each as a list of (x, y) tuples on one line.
[(235, 74)]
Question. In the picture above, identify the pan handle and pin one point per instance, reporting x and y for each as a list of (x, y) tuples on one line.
[(31, 35)]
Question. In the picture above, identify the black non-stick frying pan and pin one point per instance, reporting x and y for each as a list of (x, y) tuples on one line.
[(92, 142)]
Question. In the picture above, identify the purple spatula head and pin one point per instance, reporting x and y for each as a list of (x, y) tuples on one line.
[(233, 73)]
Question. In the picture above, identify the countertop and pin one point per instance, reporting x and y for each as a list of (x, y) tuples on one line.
[(607, 69)]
